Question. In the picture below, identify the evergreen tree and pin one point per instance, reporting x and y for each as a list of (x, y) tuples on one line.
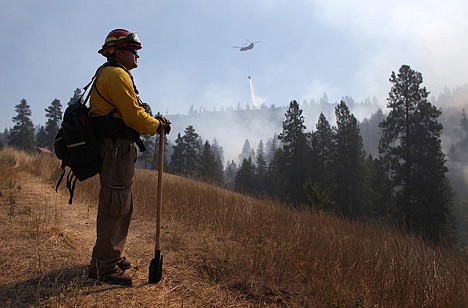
[(210, 170), (155, 152), (245, 177), (192, 151), (76, 96), (381, 189), (411, 147), (185, 159), (276, 176), (271, 148), (296, 153), (42, 138), (316, 197), (230, 174), (246, 151), (371, 132), (261, 169), (464, 124), (218, 152), (4, 138), (178, 163), (147, 156), (22, 134), (324, 99), (459, 150), (352, 192), (54, 118), (323, 151)]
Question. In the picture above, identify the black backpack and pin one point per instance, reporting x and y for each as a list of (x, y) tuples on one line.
[(77, 145)]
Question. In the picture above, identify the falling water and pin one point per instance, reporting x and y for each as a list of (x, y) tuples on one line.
[(256, 102)]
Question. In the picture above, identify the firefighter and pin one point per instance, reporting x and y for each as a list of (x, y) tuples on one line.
[(120, 118)]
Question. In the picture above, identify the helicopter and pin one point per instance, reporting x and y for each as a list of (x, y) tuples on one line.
[(247, 46)]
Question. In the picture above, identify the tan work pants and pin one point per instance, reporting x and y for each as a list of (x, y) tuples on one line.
[(115, 203)]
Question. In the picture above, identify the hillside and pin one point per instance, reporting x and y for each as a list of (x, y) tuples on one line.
[(221, 249), (232, 127)]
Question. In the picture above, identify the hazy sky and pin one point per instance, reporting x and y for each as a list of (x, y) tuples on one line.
[(341, 47)]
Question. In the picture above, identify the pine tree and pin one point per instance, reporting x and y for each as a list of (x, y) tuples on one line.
[(4, 138), (22, 134), (155, 152), (192, 151), (381, 188), (185, 159), (271, 148), (276, 176), (411, 147), (76, 96), (178, 163), (42, 138), (210, 170), (147, 156), (371, 132), (323, 150), (54, 118), (261, 169), (218, 151), (245, 177), (459, 150), (230, 174), (246, 151), (352, 192), (296, 153)]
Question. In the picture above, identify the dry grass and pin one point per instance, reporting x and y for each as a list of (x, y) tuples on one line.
[(221, 248)]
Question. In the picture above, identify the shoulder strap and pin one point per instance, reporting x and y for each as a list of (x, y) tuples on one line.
[(94, 78), (93, 82), (115, 64)]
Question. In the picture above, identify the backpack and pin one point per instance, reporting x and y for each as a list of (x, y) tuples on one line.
[(77, 145)]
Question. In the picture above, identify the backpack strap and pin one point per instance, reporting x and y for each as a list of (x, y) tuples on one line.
[(62, 173), (102, 96), (71, 181)]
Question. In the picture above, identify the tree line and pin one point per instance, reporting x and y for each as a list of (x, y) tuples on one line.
[(326, 168)]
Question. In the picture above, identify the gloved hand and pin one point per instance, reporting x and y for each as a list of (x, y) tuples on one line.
[(163, 123)]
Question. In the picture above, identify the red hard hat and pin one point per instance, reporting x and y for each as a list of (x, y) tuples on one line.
[(119, 38)]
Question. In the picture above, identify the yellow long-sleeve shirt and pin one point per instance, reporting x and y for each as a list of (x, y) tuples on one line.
[(116, 85)]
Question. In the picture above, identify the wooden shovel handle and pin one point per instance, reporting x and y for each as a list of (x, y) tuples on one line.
[(159, 196)]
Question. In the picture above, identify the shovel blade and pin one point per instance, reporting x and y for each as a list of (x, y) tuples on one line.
[(155, 268)]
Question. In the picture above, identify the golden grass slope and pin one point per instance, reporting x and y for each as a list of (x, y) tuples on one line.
[(221, 249)]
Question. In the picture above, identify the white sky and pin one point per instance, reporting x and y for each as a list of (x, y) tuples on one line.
[(341, 47)]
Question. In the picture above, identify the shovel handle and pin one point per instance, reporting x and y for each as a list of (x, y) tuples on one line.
[(159, 195)]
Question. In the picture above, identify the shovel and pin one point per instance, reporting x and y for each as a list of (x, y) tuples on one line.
[(155, 268)]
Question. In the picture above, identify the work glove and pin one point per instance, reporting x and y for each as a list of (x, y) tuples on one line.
[(163, 123)]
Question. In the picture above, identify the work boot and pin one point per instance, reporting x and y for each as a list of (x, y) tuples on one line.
[(117, 276), (124, 264)]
